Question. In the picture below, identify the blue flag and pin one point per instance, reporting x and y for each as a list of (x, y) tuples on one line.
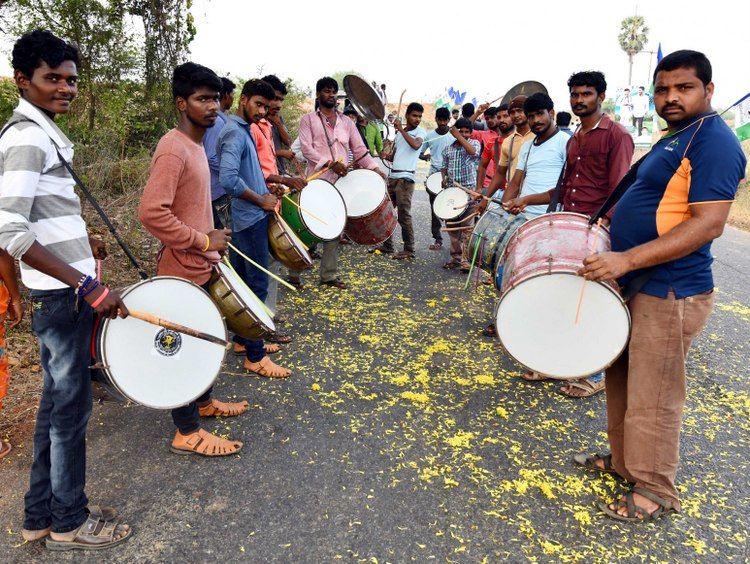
[(659, 56)]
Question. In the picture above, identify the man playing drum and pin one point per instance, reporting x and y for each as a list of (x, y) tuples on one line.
[(176, 209), (598, 156), (661, 231), (241, 175), (38, 206), (326, 137), (401, 178), (435, 141)]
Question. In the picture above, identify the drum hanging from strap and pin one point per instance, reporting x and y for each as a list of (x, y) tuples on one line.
[(285, 246), (321, 214), (536, 314), (450, 203), (154, 366), (371, 217), (245, 314), (490, 237), (434, 183)]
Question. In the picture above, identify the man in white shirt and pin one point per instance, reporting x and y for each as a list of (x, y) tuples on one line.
[(640, 109)]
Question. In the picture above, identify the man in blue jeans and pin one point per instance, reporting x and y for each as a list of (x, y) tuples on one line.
[(241, 176), (38, 205)]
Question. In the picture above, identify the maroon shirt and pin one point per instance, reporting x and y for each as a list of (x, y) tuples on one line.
[(596, 162)]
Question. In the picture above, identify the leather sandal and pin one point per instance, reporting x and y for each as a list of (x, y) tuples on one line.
[(635, 513), (222, 409), (436, 246), (533, 377), (238, 349), (271, 348), (96, 533), (588, 387), (203, 443), (278, 337), (267, 368), (101, 512), (334, 284), (590, 462), (403, 255)]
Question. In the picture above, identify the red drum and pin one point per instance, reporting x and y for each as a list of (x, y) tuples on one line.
[(537, 317), (371, 217)]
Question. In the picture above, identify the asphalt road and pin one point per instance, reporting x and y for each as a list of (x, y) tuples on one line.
[(405, 435)]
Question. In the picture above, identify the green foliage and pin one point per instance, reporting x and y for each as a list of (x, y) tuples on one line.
[(294, 106), (8, 98), (632, 39), (339, 76)]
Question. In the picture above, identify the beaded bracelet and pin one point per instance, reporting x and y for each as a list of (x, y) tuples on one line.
[(87, 290)]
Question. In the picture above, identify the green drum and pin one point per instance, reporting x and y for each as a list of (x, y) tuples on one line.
[(319, 214), (490, 237)]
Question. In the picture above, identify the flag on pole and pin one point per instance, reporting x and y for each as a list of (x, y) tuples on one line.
[(742, 120), (659, 55)]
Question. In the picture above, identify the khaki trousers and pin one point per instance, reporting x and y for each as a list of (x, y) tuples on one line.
[(401, 191), (646, 390)]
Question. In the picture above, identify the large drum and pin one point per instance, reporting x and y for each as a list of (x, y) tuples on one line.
[(536, 315), (491, 235), (158, 367), (285, 246), (371, 217), (434, 183), (322, 215), (245, 314), (450, 203)]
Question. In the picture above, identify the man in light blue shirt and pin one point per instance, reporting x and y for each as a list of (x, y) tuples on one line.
[(435, 142), (241, 176), (407, 147), (219, 198)]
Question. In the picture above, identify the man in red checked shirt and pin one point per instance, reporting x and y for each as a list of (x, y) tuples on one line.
[(598, 156), (500, 126)]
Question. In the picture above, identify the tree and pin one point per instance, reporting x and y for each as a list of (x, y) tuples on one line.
[(632, 38)]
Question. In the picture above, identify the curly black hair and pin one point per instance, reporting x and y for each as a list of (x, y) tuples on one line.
[(257, 87), (188, 77), (41, 45), (275, 81), (588, 78)]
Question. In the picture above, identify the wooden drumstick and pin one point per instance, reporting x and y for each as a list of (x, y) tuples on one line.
[(400, 101), (171, 325), (259, 267), (308, 212), (318, 174), (583, 284), (286, 226)]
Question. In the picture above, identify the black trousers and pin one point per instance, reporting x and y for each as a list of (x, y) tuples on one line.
[(435, 223)]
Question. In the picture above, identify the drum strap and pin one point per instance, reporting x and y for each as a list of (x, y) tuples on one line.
[(89, 196)]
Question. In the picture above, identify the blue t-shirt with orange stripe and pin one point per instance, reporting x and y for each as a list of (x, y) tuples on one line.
[(701, 162)]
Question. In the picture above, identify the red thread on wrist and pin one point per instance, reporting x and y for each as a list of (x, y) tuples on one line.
[(100, 299)]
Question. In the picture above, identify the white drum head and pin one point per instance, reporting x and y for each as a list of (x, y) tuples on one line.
[(324, 209), (363, 191), (434, 183), (247, 296), (383, 165), (156, 367), (450, 203), (536, 325)]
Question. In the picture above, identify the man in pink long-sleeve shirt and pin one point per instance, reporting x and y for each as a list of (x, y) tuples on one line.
[(327, 136)]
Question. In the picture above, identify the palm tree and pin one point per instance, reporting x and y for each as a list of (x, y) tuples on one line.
[(633, 38)]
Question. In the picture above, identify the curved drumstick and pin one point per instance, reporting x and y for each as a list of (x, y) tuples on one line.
[(156, 320), (400, 101), (308, 212)]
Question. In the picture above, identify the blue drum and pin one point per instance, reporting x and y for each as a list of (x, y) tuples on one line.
[(490, 237)]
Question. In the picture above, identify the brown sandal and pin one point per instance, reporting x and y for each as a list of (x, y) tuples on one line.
[(102, 512), (636, 513), (271, 348), (222, 409), (95, 534), (588, 387), (533, 377), (204, 443), (267, 368)]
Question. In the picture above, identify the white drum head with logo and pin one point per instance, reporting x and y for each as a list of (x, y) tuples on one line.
[(157, 367), (434, 183), (450, 203), (536, 325), (324, 209), (247, 296), (363, 191)]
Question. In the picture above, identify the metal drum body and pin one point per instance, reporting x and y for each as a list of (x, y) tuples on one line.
[(285, 246), (536, 314), (322, 199), (371, 217), (153, 366), (434, 183), (450, 203), (491, 234), (245, 314)]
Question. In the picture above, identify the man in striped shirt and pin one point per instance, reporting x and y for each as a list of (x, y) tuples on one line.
[(41, 224)]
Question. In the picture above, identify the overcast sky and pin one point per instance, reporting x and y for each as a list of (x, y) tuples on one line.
[(484, 47)]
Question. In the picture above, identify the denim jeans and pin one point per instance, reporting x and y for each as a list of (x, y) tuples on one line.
[(56, 495), (252, 241)]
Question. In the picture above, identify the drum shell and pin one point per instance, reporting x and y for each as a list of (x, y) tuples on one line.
[(101, 371), (375, 227), (456, 212), (240, 319), (282, 247), (434, 180), (556, 244), (495, 227)]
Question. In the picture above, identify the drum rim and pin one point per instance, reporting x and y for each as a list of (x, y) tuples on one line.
[(362, 170), (287, 233), (302, 214), (426, 185), (607, 286), (230, 287), (445, 190), (105, 326)]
